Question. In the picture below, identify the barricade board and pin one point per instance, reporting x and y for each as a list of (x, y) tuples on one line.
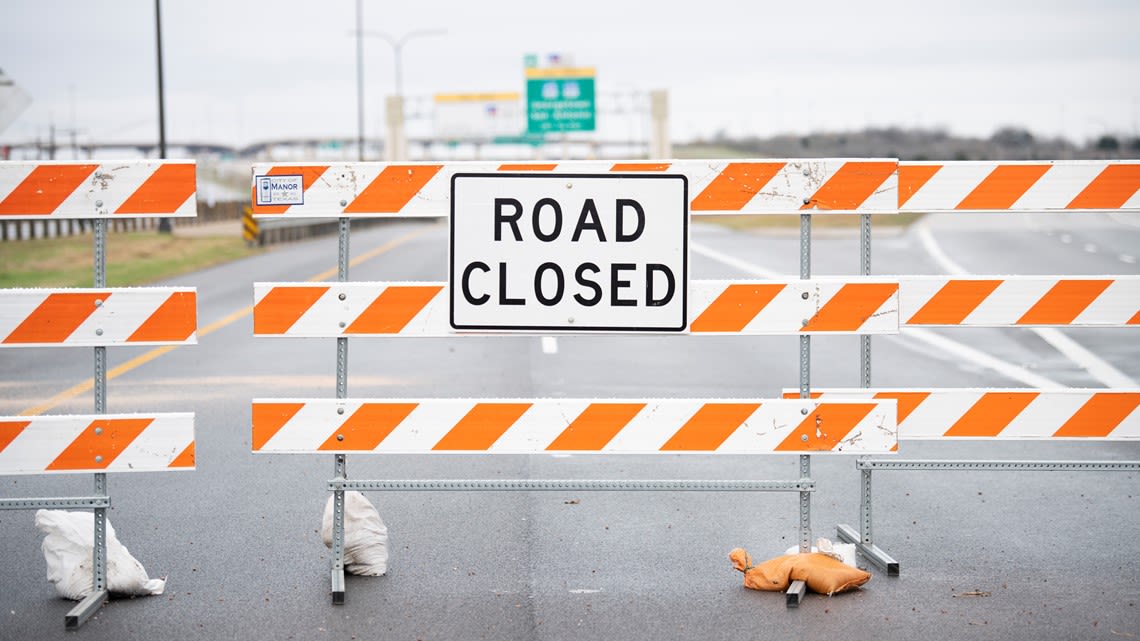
[(1026, 301), (133, 188), (817, 306), (1006, 414), (1032, 186), (746, 426), (422, 189), (98, 317), (96, 443)]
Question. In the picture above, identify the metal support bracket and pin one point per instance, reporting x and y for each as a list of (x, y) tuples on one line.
[(1000, 465), (574, 485), (71, 502)]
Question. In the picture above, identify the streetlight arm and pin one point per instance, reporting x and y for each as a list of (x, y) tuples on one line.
[(397, 45)]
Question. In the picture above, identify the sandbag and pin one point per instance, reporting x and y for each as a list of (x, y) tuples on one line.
[(365, 535), (839, 551), (820, 572), (68, 548)]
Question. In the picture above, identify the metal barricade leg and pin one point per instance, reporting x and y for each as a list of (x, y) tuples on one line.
[(864, 541), (344, 229), (338, 536)]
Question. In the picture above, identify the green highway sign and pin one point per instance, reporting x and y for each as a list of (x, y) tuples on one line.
[(560, 99)]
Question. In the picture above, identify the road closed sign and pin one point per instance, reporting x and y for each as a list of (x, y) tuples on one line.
[(569, 252)]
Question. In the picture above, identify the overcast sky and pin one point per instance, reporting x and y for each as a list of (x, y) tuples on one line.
[(240, 72)]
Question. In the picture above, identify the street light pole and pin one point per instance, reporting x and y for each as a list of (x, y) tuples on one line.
[(397, 45), (395, 104), (359, 81)]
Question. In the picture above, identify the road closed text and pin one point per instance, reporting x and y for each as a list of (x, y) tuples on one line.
[(569, 252)]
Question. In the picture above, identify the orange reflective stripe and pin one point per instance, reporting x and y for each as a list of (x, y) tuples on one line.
[(991, 414), (392, 189), (907, 402), (596, 426), (57, 317), (735, 186), (174, 320), (482, 426), (851, 306), (1064, 302), (824, 428), (368, 426), (269, 418), (278, 310), (710, 426), (953, 302), (1135, 320), (850, 186), (641, 166), (393, 309), (1110, 189), (185, 458), (45, 189), (912, 178), (1003, 186), (309, 175), (736, 306), (163, 192), (1099, 415), (105, 438), (9, 430), (535, 166)]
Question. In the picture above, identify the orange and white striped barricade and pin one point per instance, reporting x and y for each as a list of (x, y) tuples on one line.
[(66, 189), (96, 317), (1020, 301), (428, 189), (948, 414), (103, 443), (514, 426), (823, 306), (423, 189), (1009, 186)]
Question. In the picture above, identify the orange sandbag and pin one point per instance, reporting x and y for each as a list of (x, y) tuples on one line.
[(820, 572)]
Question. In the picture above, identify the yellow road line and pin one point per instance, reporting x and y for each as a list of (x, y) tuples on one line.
[(143, 359)]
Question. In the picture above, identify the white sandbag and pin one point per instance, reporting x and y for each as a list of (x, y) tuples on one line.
[(68, 548), (844, 552), (365, 535)]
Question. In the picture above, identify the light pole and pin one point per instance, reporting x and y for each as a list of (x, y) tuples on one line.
[(395, 104), (397, 45), (359, 82)]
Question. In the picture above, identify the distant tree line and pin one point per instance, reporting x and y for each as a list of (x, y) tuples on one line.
[(1007, 143)]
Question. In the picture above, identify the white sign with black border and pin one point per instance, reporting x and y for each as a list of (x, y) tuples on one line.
[(569, 252)]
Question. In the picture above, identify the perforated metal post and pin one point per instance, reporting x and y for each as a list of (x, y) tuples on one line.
[(797, 589), (341, 467), (865, 378), (865, 269), (88, 606), (864, 538)]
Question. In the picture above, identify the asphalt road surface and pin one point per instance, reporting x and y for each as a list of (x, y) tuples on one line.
[(984, 555)]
